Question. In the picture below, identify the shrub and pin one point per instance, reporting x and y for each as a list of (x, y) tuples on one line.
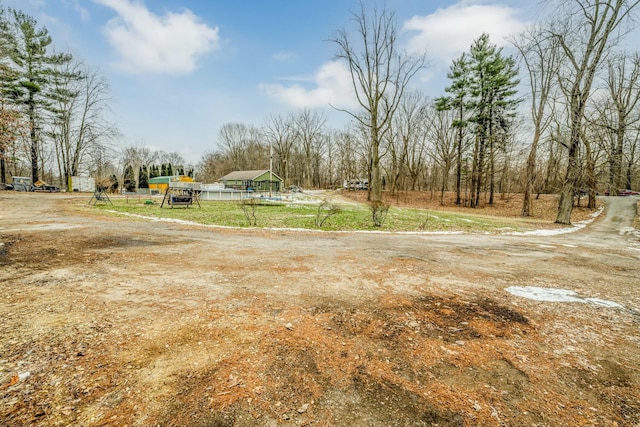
[(326, 209), (379, 211), (249, 207)]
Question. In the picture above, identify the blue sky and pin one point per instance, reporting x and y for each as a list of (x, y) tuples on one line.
[(178, 70)]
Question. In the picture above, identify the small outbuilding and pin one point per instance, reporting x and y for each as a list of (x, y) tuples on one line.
[(255, 180), (160, 184)]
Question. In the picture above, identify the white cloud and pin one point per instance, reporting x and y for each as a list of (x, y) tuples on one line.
[(148, 43), (331, 85), (447, 33)]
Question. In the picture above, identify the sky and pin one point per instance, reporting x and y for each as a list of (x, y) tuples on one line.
[(179, 70)]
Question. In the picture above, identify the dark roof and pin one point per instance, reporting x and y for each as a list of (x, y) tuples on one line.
[(246, 175)]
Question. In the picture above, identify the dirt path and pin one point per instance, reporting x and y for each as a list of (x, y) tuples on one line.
[(113, 321)]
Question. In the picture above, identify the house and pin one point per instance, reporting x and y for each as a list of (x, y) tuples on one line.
[(256, 180), (160, 184)]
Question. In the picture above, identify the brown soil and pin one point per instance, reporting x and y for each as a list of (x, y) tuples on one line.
[(114, 321)]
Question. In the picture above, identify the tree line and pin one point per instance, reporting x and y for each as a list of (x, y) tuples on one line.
[(54, 116), (53, 107), (559, 114)]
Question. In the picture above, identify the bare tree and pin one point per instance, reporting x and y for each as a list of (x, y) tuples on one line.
[(212, 166), (174, 159), (632, 160), (347, 148), (589, 29), (407, 134), (102, 167), (79, 105), (380, 73), (12, 128), (417, 151), (540, 54), (623, 83), (232, 141), (308, 128), (443, 143), (280, 134), (331, 148)]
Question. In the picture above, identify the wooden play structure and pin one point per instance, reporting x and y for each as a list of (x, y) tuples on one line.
[(159, 184), (182, 194)]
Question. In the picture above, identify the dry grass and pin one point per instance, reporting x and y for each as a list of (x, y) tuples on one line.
[(545, 207)]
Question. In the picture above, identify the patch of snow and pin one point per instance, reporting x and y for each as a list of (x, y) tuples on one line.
[(544, 294), (537, 293), (603, 302), (577, 226), (629, 230)]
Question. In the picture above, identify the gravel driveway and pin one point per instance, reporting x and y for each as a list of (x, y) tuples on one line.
[(120, 321)]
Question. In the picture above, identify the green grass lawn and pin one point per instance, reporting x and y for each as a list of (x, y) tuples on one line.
[(350, 217)]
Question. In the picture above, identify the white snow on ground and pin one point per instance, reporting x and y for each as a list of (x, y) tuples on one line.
[(557, 295), (629, 230), (577, 226)]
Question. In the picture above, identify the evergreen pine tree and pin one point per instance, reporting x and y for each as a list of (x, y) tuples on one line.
[(32, 61)]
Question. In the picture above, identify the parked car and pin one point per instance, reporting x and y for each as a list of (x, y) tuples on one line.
[(22, 183), (46, 188)]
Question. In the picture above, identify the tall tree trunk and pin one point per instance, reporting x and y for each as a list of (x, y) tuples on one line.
[(491, 170), (591, 176), (459, 167), (34, 140), (474, 171), (480, 169), (530, 174), (618, 179), (376, 177), (3, 166), (565, 205)]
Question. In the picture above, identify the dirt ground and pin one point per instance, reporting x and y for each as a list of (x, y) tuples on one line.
[(544, 211), (120, 321)]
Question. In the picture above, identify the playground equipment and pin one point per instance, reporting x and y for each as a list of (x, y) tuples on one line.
[(100, 196), (182, 194)]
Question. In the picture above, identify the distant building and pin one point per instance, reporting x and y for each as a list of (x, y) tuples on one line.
[(81, 183), (256, 180), (160, 184)]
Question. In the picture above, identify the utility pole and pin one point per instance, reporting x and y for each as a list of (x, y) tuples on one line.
[(270, 168)]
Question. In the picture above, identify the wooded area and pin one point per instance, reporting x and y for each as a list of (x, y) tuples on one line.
[(559, 115)]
